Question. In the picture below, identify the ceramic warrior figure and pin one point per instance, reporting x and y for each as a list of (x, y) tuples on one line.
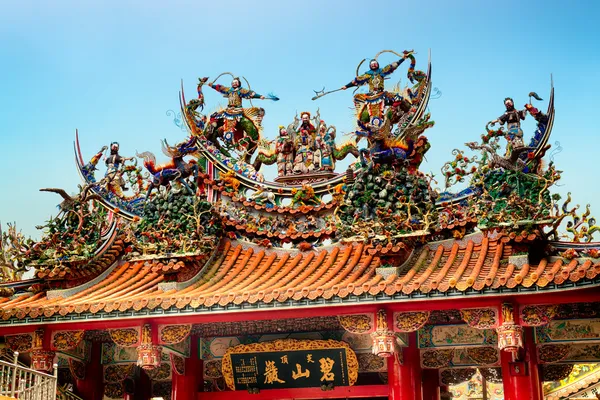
[(512, 118), (114, 165), (327, 147), (372, 103), (240, 126), (285, 153)]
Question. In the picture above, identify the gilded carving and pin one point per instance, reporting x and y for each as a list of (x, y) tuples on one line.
[(113, 390), (480, 318), (149, 354), (551, 353), (581, 377), (368, 362), (66, 340), (410, 321), (436, 358), (484, 355), (162, 373), (538, 315), (38, 338), (508, 315), (22, 343), (117, 372), (177, 363), (126, 337), (173, 334), (212, 369), (357, 323)]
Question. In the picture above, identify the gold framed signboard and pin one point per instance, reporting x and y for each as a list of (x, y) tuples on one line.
[(290, 363)]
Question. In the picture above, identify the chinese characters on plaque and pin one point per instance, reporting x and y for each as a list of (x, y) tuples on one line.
[(290, 369)]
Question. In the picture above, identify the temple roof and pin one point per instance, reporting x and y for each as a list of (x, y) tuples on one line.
[(241, 276)]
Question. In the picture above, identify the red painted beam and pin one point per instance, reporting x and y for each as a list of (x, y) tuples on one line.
[(345, 392)]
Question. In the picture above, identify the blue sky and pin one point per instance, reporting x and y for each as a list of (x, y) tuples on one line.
[(113, 68)]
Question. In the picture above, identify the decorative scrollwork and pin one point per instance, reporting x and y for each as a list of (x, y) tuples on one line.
[(126, 337), (161, 373), (551, 353), (437, 358), (480, 318), (457, 375), (556, 372), (177, 363), (368, 362), (410, 321), (357, 323), (22, 343), (484, 355), (173, 334), (538, 315), (66, 340), (114, 373), (212, 369), (113, 390)]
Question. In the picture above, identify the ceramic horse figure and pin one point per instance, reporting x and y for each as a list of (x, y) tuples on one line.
[(175, 170), (383, 148)]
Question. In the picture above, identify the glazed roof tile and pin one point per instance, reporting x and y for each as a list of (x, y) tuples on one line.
[(240, 272)]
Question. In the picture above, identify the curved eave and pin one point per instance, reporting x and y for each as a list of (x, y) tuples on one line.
[(336, 301), (245, 277)]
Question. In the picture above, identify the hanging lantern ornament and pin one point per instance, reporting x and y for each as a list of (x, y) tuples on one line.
[(42, 360), (510, 334), (149, 354), (383, 340)]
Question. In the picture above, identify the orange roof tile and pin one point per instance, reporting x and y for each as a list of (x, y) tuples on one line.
[(241, 272)]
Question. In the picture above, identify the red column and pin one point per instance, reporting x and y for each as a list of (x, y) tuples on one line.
[(535, 382), (185, 387), (393, 379), (410, 370), (92, 387), (514, 378), (431, 384), (520, 378), (143, 387)]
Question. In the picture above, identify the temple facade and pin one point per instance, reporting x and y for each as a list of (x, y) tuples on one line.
[(203, 279)]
